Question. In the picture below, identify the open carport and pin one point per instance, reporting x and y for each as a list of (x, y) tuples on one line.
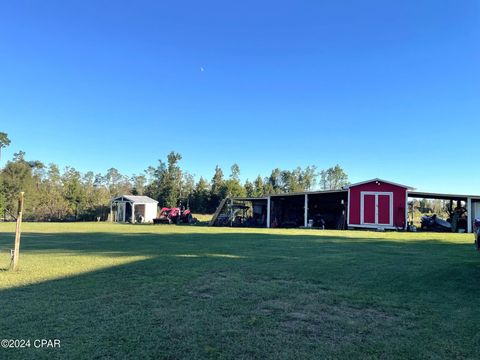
[(471, 204)]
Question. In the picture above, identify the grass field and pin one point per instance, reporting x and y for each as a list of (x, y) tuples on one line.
[(123, 291)]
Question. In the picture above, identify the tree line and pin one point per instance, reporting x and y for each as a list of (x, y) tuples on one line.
[(67, 195)]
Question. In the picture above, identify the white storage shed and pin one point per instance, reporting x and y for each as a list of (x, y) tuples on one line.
[(133, 208)]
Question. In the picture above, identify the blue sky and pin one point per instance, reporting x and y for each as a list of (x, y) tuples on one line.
[(385, 89)]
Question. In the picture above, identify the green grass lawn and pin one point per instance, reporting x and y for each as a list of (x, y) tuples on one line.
[(137, 291)]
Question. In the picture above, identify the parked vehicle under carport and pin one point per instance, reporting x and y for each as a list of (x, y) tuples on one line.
[(434, 223)]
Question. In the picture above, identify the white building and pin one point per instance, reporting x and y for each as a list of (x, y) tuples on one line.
[(133, 208)]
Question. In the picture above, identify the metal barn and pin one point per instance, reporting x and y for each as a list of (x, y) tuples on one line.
[(372, 204)]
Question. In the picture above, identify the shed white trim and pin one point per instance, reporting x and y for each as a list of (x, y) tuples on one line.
[(269, 214), (362, 207)]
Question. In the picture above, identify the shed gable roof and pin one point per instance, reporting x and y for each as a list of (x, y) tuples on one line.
[(379, 180), (137, 199)]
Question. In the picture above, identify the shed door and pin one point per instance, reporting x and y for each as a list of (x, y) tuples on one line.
[(369, 209), (376, 208), (120, 212), (383, 208)]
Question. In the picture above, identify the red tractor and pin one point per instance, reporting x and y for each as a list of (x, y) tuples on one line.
[(174, 216)]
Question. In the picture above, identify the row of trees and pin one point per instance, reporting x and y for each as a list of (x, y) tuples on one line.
[(429, 206), (71, 195)]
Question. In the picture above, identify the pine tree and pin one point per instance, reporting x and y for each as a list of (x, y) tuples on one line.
[(4, 142)]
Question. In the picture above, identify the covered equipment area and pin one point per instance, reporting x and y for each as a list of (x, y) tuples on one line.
[(328, 209), (288, 211), (320, 209), (242, 212), (133, 209), (461, 210)]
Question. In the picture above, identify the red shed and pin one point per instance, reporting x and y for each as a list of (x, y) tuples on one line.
[(377, 204)]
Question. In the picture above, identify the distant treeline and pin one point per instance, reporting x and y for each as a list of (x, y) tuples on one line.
[(68, 195)]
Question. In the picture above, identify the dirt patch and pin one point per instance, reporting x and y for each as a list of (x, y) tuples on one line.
[(208, 286), (334, 323), (276, 304)]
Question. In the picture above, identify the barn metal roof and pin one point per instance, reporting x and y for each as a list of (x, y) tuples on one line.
[(319, 192), (379, 180), (253, 198), (440, 196), (136, 199), (265, 197)]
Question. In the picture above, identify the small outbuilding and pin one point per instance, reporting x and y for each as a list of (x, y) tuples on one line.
[(377, 204), (133, 208)]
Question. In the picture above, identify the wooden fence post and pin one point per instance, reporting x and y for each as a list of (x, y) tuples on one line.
[(18, 230)]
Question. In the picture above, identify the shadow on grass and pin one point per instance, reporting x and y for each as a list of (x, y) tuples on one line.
[(230, 295)]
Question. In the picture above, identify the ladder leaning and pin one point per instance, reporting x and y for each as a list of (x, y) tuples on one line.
[(217, 212)]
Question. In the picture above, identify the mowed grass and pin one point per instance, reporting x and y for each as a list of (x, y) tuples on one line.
[(112, 291)]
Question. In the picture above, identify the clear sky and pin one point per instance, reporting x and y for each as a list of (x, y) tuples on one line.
[(386, 89)]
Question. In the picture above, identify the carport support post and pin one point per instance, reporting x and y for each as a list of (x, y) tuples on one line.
[(469, 215), (305, 214), (133, 213), (269, 202)]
